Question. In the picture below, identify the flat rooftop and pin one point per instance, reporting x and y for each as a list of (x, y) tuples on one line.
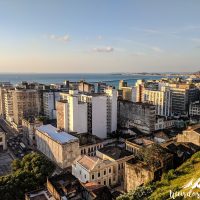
[(56, 135), (141, 141), (88, 139), (115, 152)]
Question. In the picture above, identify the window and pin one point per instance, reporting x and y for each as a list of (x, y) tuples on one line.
[(85, 176), (104, 172), (119, 167), (1, 139), (92, 176), (109, 170), (104, 182), (109, 181), (98, 174)]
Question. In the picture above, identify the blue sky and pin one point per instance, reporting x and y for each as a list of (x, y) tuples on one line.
[(99, 35)]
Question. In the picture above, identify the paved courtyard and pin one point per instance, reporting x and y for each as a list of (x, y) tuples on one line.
[(5, 163)]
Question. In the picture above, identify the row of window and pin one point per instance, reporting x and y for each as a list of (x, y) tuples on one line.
[(92, 149), (104, 173)]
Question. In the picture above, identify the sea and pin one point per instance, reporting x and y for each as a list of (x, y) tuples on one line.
[(110, 79)]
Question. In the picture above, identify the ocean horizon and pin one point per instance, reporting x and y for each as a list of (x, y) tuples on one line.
[(47, 78)]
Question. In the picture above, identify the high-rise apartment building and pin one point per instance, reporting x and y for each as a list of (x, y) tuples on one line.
[(49, 103), (86, 87), (71, 113), (92, 113), (25, 103), (161, 99)]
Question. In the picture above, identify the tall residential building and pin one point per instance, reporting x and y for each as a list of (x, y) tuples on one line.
[(86, 87), (182, 96), (72, 114), (140, 87), (161, 99), (25, 103), (60, 147), (101, 86), (8, 103), (49, 103), (194, 109), (4, 87), (92, 113), (122, 83), (129, 93)]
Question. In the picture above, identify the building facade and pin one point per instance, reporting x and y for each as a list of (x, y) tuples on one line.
[(49, 103), (60, 147), (95, 169), (139, 115)]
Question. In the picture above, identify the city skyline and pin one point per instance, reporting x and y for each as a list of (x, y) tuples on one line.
[(99, 37)]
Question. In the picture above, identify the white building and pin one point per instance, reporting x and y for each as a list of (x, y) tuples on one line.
[(49, 103), (94, 169), (72, 114), (161, 99), (92, 113), (60, 147)]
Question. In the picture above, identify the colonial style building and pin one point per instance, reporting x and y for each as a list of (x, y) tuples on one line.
[(94, 169)]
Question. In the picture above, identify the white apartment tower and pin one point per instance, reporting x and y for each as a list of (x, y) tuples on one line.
[(161, 99), (49, 103), (71, 113), (92, 113)]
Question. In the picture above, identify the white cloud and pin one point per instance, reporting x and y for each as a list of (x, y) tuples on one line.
[(157, 49), (99, 37), (63, 38), (197, 40), (103, 49)]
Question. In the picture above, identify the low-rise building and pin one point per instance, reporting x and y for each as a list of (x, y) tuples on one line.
[(65, 186), (115, 154), (95, 169), (164, 123), (29, 126), (89, 144), (149, 166), (59, 146), (135, 145), (137, 173)]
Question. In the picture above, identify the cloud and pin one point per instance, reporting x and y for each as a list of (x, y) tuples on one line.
[(197, 40), (63, 38), (107, 49), (99, 37), (156, 49)]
